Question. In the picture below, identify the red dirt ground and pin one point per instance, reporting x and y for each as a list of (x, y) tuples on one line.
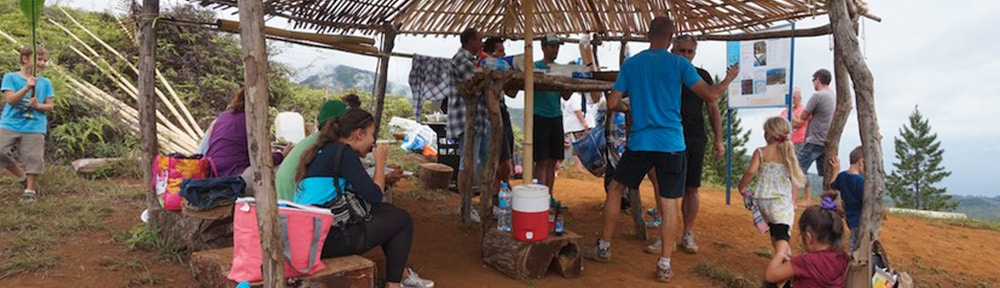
[(938, 255)]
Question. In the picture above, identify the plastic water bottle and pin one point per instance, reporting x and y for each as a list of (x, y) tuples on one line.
[(504, 198)]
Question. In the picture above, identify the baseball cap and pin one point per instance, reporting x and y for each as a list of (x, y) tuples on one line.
[(551, 39), (332, 109)]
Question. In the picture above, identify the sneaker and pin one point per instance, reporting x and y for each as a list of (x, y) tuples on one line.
[(664, 273), (654, 223), (657, 247), (414, 280), (688, 245), (597, 254), (29, 196), (474, 215)]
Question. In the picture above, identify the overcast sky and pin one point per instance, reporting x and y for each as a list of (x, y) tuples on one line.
[(939, 57)]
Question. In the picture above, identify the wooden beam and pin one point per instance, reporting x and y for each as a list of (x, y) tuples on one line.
[(255, 78), (859, 272), (147, 98), (388, 42), (811, 32), (840, 115)]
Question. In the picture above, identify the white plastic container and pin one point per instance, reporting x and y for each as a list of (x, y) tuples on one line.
[(530, 218), (290, 127)]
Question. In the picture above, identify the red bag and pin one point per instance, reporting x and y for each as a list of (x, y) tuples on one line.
[(170, 170), (303, 228)]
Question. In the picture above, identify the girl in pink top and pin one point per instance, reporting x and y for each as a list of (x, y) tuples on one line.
[(825, 263)]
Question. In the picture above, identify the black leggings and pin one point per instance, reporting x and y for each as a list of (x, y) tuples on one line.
[(390, 227)]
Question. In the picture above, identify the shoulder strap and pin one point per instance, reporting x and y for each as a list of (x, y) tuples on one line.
[(760, 150)]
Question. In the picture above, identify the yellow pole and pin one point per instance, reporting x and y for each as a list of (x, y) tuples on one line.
[(529, 89)]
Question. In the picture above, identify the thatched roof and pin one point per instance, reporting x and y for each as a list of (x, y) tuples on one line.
[(610, 18)]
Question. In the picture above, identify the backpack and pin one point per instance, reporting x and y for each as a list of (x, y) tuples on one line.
[(347, 208), (169, 171)]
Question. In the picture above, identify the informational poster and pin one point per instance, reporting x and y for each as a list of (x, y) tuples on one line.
[(764, 72)]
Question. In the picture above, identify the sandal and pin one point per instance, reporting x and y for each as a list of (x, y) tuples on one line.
[(29, 196)]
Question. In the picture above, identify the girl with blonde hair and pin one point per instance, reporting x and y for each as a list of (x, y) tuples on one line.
[(779, 172)]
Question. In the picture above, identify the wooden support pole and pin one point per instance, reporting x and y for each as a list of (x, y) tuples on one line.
[(528, 6), (388, 43), (493, 93), (468, 152), (859, 272), (147, 99), (840, 115), (255, 77)]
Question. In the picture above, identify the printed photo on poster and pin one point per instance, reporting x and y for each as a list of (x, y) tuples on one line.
[(776, 76), (747, 87), (759, 87), (759, 54)]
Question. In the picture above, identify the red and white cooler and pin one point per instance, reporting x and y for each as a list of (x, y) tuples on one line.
[(530, 218)]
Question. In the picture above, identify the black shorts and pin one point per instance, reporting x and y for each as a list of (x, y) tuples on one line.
[(670, 170), (780, 231), (695, 162), (548, 139)]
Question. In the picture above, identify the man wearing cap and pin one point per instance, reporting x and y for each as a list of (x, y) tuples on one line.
[(548, 137), (284, 176)]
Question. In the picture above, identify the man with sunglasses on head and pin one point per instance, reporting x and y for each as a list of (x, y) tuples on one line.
[(695, 139), (819, 113)]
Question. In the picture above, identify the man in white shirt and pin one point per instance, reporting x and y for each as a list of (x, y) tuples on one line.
[(574, 125)]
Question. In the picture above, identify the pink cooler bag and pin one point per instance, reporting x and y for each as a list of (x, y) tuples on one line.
[(303, 231)]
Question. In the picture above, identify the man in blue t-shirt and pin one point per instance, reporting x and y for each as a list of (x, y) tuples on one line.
[(652, 79), (26, 100), (851, 184)]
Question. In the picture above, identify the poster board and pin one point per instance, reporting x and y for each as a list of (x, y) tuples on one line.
[(765, 67)]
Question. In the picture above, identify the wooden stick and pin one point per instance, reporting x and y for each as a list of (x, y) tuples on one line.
[(255, 61), (177, 101), (147, 103), (529, 88)]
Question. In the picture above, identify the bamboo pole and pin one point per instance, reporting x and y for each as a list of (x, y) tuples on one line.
[(147, 103), (255, 60), (117, 74), (197, 128), (528, 6)]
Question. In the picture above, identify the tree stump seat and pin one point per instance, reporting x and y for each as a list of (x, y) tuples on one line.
[(522, 260), (210, 268)]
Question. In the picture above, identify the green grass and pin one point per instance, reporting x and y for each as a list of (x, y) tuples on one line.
[(992, 225), (145, 237), (726, 276), (763, 252), (67, 204)]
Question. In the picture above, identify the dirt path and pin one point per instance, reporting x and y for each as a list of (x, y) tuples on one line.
[(939, 255)]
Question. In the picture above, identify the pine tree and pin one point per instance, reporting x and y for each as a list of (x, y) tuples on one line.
[(918, 168), (714, 170)]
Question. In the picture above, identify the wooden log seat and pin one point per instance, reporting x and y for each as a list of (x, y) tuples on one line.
[(522, 260), (210, 268)]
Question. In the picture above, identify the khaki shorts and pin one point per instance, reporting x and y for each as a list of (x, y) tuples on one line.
[(30, 149)]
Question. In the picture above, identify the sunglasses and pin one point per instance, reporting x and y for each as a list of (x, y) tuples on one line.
[(685, 51)]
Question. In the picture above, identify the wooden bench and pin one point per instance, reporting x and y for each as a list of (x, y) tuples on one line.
[(210, 268), (522, 260)]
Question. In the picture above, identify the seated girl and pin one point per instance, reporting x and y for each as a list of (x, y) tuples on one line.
[(825, 263), (389, 227)]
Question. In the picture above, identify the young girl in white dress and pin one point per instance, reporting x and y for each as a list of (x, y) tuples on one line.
[(777, 171)]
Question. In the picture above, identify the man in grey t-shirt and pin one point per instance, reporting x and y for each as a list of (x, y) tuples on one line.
[(819, 113)]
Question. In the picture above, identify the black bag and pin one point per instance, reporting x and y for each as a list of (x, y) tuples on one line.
[(347, 207)]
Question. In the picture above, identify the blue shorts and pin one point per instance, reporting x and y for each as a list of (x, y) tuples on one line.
[(809, 153), (480, 148)]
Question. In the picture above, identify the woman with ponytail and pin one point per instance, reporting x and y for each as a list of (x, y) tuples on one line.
[(352, 136), (773, 190), (825, 263)]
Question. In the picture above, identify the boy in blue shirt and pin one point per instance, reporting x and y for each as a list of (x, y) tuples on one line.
[(652, 79), (24, 123), (851, 184)]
